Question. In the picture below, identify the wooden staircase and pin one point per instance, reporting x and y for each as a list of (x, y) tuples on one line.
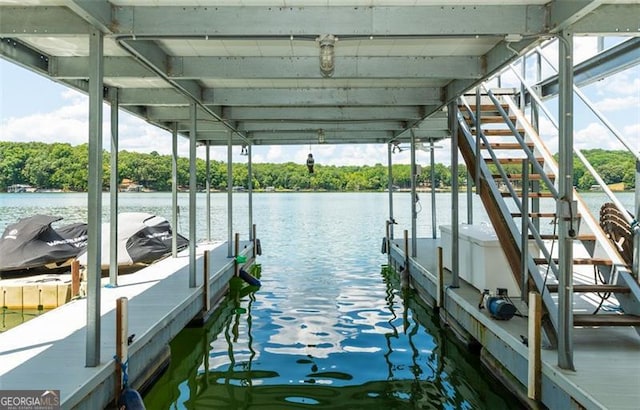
[(503, 158)]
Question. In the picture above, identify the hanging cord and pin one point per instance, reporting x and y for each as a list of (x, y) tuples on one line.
[(597, 278), (125, 374), (553, 242)]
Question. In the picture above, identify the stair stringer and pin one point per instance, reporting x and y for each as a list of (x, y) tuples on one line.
[(505, 228)]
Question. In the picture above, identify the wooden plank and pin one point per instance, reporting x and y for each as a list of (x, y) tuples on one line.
[(579, 261), (535, 214), (506, 145), (532, 177), (440, 284), (511, 160), (606, 320), (122, 345), (535, 343), (602, 288), (492, 119), (498, 132), (530, 194), (581, 237)]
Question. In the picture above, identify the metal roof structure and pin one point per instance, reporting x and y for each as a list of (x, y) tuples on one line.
[(254, 66)]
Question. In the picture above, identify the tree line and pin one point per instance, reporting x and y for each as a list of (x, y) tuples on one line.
[(61, 166)]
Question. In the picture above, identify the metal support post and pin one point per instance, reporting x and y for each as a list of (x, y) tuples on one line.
[(478, 132), (250, 188), (455, 263), (432, 157), (229, 197), (94, 212), (565, 204), (208, 188), (469, 199), (193, 189), (414, 197), (636, 232), (113, 190), (174, 190), (524, 235), (390, 188)]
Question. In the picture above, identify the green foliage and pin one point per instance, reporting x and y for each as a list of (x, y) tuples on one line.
[(65, 167)]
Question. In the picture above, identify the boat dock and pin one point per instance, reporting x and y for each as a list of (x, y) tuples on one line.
[(607, 361), (48, 352)]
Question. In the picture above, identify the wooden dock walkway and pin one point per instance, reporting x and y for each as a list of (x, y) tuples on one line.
[(48, 352), (607, 360)]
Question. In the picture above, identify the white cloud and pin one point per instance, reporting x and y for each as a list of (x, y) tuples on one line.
[(615, 104)]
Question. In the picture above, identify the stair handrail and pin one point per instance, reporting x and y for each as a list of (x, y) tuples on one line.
[(532, 267), (534, 231), (593, 109), (480, 134), (587, 216), (521, 141), (576, 151)]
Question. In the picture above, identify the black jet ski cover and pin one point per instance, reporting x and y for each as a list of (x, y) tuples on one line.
[(142, 238), (32, 242)]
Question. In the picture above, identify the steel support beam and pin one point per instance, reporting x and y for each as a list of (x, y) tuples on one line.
[(94, 211), (229, 195), (414, 198), (41, 21), (455, 227), (113, 189), (400, 113), (432, 159), (565, 203), (250, 188), (193, 189), (174, 190), (361, 22), (390, 188), (208, 188)]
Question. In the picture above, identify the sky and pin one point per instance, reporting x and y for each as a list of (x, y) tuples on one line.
[(34, 108)]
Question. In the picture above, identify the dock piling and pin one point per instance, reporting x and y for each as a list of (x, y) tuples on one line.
[(75, 278), (440, 298), (122, 345), (534, 367), (205, 293)]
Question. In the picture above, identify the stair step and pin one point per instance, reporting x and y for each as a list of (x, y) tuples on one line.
[(497, 132), (579, 261), (582, 237), (535, 214), (506, 145), (606, 320), (592, 288), (491, 119), (483, 107), (530, 194), (532, 177), (511, 160)]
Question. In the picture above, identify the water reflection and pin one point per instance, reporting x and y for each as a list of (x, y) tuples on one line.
[(255, 353)]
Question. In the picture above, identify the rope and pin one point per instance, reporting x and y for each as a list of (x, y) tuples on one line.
[(123, 367)]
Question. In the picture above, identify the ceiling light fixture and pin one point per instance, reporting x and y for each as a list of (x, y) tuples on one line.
[(327, 54)]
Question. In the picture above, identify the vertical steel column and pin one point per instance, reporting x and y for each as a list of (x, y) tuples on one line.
[(434, 230), (390, 188), (414, 213), (94, 213), (469, 199), (635, 268), (174, 189), (229, 197), (193, 189), (565, 213), (113, 190), (455, 263), (208, 188), (524, 234), (535, 121), (250, 187)]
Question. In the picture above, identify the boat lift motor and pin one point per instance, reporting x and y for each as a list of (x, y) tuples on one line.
[(499, 305)]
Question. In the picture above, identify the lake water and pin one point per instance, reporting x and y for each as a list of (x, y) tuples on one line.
[(329, 328)]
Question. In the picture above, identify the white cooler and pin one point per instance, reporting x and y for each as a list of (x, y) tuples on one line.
[(482, 262)]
